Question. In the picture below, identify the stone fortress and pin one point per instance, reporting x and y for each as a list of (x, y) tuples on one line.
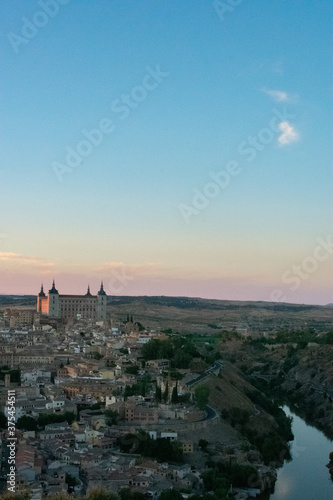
[(86, 306)]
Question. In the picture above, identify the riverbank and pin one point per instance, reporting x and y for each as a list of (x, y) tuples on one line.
[(306, 476), (300, 374), (260, 432)]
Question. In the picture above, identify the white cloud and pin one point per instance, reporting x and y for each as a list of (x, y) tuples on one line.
[(19, 259), (280, 95), (289, 134)]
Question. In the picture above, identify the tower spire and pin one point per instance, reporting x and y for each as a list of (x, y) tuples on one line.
[(53, 289), (41, 293), (101, 290)]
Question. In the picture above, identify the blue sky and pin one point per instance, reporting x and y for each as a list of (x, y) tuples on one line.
[(128, 207)]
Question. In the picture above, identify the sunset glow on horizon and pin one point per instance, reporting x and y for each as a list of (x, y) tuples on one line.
[(167, 150)]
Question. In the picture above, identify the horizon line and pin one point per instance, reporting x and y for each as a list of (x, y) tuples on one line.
[(186, 297)]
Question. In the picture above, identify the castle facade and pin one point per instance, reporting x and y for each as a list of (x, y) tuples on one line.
[(86, 306)]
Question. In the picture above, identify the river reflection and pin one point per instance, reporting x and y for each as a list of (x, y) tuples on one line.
[(305, 477)]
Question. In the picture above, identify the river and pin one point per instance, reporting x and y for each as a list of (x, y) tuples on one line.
[(305, 477)]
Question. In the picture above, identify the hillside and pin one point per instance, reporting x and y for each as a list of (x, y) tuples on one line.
[(197, 315), (301, 376), (205, 316)]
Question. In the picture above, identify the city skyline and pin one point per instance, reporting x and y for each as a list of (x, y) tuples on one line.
[(167, 149)]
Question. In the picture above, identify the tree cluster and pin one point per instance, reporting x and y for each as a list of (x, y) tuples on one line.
[(112, 417), (272, 446), (28, 423), (142, 388), (15, 374), (178, 350), (219, 477), (162, 449), (201, 396), (299, 337)]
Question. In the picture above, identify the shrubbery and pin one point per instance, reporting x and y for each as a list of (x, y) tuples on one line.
[(160, 448), (178, 350)]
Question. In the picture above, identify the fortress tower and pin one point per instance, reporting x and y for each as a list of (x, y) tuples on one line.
[(101, 304), (54, 303)]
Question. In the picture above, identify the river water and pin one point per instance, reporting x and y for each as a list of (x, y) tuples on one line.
[(305, 477)]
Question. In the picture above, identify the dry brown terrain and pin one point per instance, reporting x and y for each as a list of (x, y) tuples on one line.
[(204, 316), (209, 316)]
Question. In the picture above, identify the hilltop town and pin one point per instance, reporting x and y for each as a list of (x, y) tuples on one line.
[(107, 403)]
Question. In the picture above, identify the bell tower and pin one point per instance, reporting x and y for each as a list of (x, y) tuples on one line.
[(54, 306), (40, 299), (101, 304)]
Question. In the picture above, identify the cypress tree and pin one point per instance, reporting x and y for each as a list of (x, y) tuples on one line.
[(166, 392)]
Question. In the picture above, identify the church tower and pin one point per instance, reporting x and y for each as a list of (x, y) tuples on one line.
[(54, 306), (101, 304), (40, 299)]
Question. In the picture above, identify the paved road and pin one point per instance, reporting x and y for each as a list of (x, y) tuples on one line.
[(216, 366), (211, 413)]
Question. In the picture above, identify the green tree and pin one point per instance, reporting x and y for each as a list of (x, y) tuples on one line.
[(328, 339), (158, 394), (112, 417), (133, 370), (174, 395), (96, 355), (100, 494), (45, 419), (15, 374), (141, 327), (71, 480), (127, 442), (129, 391), (150, 350), (144, 385), (160, 448), (203, 444), (127, 494), (3, 421), (96, 406), (171, 495), (166, 393), (201, 395), (69, 416), (182, 359), (26, 423), (175, 375)]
